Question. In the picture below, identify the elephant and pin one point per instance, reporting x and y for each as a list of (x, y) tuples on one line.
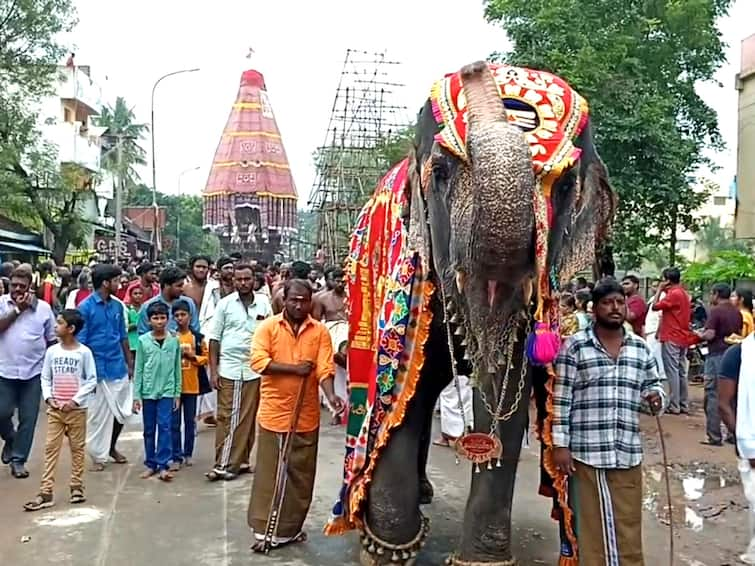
[(479, 226)]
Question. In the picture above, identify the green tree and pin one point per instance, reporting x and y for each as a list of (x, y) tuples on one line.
[(121, 124), (723, 266), (637, 63), (33, 188), (193, 239), (713, 237)]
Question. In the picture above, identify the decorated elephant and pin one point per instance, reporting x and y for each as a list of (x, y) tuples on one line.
[(454, 268)]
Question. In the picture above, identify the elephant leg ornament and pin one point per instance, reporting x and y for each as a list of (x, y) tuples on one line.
[(376, 551), (453, 560)]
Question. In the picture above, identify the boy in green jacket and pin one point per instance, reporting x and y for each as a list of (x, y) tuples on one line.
[(157, 389)]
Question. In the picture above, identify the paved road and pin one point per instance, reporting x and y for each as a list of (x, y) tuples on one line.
[(128, 521)]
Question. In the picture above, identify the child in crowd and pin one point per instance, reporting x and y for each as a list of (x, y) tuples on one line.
[(69, 377), (583, 301), (157, 390), (568, 323), (193, 361), (136, 297)]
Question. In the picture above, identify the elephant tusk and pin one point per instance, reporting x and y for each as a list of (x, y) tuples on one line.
[(461, 280), (492, 288)]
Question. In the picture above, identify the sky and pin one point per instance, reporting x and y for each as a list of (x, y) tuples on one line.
[(299, 46)]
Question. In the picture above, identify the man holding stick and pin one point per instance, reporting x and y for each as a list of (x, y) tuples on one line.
[(294, 354)]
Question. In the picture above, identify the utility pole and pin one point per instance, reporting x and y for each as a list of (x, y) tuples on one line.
[(178, 215), (118, 204)]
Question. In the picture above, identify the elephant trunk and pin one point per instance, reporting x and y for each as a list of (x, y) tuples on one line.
[(502, 181), (492, 216)]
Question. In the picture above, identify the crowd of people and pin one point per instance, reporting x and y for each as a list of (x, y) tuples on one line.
[(249, 348), (256, 350), (622, 355)]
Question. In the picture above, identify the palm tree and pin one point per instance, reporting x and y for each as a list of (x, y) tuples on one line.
[(120, 123), (714, 237)]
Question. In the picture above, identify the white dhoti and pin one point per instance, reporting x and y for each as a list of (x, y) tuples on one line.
[(111, 400), (207, 405), (655, 348), (451, 421), (339, 335)]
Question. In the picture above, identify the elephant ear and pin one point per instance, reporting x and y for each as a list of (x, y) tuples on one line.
[(415, 211), (584, 205)]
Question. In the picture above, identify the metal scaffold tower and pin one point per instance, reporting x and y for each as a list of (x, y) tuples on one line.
[(363, 121)]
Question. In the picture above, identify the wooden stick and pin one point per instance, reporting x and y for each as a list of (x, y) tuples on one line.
[(284, 452), (668, 492)]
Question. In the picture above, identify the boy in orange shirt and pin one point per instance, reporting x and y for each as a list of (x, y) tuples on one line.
[(193, 361)]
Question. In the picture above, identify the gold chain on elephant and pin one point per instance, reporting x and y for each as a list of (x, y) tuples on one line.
[(498, 416), (477, 446)]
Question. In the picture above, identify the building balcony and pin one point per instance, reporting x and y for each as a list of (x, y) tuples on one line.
[(76, 145), (75, 87)]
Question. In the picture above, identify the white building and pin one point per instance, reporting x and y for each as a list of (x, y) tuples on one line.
[(720, 205), (66, 120)]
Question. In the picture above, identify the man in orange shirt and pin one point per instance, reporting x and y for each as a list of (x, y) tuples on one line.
[(291, 351)]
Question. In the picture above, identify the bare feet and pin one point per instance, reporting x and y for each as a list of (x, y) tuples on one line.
[(98, 467), (148, 473), (166, 476), (445, 441), (174, 466)]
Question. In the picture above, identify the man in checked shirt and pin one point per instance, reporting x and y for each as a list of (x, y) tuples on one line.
[(604, 375)]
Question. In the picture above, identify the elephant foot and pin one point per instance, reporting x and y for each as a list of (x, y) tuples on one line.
[(377, 552), (454, 560), (426, 492)]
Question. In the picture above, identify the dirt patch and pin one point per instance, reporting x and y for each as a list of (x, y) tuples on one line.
[(708, 507)]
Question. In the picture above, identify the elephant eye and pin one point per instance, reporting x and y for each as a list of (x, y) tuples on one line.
[(440, 171)]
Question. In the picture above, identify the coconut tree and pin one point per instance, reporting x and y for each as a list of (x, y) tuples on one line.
[(120, 122)]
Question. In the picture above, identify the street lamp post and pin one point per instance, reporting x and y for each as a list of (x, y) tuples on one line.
[(152, 132), (178, 218)]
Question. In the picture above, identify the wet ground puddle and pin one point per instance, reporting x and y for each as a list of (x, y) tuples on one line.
[(695, 493)]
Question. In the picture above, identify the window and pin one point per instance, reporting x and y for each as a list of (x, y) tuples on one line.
[(719, 201)]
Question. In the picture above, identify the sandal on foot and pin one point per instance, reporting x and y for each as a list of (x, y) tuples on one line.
[(259, 546), (246, 469), (118, 458), (98, 467), (41, 501), (77, 496), (174, 466), (166, 476), (148, 473), (18, 470), (215, 475)]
